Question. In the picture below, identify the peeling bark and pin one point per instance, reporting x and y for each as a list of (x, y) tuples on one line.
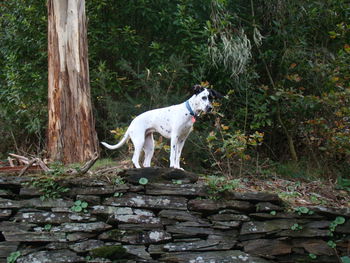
[(71, 129)]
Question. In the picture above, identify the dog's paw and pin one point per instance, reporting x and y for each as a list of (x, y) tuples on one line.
[(177, 168)]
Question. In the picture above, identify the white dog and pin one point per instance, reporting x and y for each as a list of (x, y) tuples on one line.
[(173, 122)]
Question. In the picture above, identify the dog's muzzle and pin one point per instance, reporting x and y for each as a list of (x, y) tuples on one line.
[(208, 109)]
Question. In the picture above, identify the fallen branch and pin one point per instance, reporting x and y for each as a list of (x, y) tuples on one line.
[(30, 163), (42, 165), (89, 164), (85, 167), (20, 158), (10, 160)]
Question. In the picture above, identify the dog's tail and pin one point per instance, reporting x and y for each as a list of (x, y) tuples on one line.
[(120, 144)]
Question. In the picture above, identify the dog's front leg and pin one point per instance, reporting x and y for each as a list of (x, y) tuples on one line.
[(174, 144), (181, 144)]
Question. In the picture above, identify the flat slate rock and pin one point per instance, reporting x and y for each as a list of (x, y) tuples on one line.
[(5, 213), (6, 193), (52, 217), (78, 236), (277, 215), (344, 228), (314, 246), (48, 203), (267, 247), (6, 248), (29, 191), (305, 232), (267, 207), (146, 201), (229, 217), (232, 256), (8, 203), (8, 226), (176, 189), (136, 237), (98, 190), (216, 205), (81, 227), (182, 230), (111, 210), (256, 196), (10, 180), (85, 181), (64, 256), (197, 245), (138, 251), (126, 215), (331, 211), (86, 246), (272, 226), (180, 215), (158, 175), (34, 236)]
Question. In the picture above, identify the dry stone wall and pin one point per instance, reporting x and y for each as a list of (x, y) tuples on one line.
[(167, 221)]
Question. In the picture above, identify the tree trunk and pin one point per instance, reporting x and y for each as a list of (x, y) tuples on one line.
[(71, 129), (292, 150)]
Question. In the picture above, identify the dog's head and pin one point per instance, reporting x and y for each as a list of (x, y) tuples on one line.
[(204, 98)]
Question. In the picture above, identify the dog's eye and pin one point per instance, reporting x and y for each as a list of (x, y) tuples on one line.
[(204, 98)]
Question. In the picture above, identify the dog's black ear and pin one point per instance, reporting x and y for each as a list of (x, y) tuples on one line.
[(197, 89), (215, 94)]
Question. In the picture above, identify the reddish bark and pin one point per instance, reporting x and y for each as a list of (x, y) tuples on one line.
[(71, 128)]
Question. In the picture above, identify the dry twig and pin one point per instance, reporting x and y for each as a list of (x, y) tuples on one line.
[(29, 164)]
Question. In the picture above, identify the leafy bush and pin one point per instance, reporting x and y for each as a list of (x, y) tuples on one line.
[(283, 65), (23, 74)]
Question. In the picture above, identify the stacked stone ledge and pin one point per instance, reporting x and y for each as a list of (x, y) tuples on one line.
[(162, 221)]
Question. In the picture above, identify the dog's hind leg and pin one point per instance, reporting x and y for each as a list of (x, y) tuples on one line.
[(138, 142), (148, 148)]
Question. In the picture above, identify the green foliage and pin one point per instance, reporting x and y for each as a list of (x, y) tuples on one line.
[(301, 210), (47, 227), (119, 181), (23, 73), (312, 256), (56, 169), (284, 65), (12, 258), (338, 221), (118, 194), (176, 181), (143, 181), (49, 187), (331, 244), (80, 206), (343, 183), (102, 163), (220, 184), (228, 147), (232, 51), (296, 227), (345, 259)]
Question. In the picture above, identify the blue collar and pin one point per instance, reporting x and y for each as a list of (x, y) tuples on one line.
[(190, 109)]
